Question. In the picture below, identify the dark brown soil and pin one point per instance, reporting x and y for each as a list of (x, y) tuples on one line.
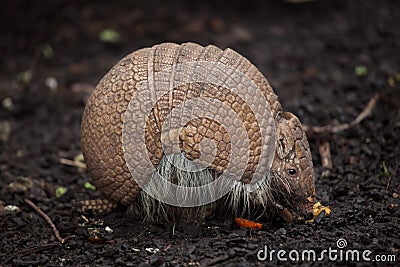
[(325, 59)]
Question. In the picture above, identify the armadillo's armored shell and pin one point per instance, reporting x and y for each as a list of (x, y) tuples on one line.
[(102, 123)]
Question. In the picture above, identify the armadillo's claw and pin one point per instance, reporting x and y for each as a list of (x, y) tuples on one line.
[(319, 212), (285, 213)]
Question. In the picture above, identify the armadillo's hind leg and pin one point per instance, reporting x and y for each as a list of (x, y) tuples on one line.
[(96, 206)]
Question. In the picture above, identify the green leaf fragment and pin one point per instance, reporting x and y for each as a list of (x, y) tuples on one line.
[(61, 191), (79, 158), (89, 186), (361, 70), (109, 35), (47, 51), (25, 76), (385, 170), (5, 130)]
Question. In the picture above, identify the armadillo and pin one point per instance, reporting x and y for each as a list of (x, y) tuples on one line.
[(175, 114)]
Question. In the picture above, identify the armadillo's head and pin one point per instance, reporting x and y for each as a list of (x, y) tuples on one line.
[(292, 170)]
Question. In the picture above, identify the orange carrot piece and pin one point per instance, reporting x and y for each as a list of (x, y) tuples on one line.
[(248, 224)]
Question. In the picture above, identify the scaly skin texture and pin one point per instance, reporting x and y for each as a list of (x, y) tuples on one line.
[(102, 125)]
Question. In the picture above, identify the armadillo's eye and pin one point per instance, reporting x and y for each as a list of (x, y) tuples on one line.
[(292, 172)]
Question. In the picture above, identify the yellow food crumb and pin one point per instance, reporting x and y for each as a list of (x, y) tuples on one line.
[(391, 82), (317, 209)]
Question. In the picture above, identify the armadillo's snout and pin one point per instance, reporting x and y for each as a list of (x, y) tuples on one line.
[(301, 194), (304, 198), (306, 209), (301, 208), (298, 205)]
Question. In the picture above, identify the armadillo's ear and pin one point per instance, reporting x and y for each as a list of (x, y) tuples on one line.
[(286, 134), (292, 119)]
